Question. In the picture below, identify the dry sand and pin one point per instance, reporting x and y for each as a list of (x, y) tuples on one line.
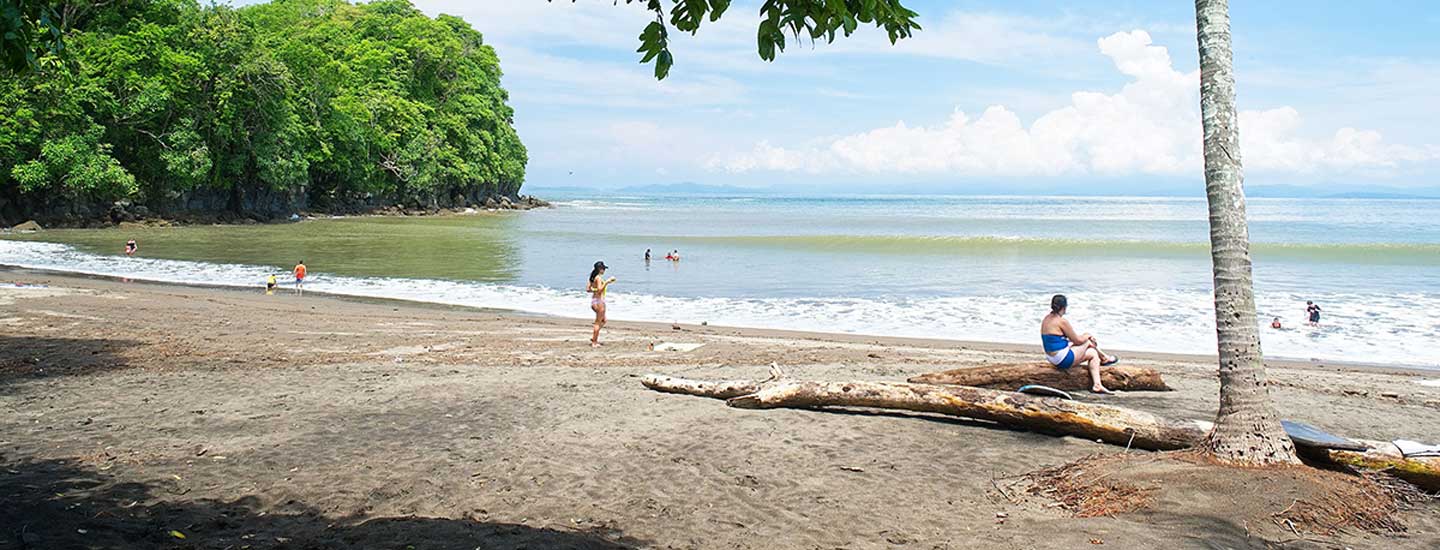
[(235, 419)]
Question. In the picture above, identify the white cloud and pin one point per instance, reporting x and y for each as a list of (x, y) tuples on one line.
[(967, 36), (1151, 126), (551, 80)]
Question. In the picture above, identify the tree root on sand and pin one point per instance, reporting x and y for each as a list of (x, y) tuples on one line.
[(1162, 487)]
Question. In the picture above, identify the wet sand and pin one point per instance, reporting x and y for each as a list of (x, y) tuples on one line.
[(130, 410)]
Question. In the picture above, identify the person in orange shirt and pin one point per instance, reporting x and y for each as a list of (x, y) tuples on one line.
[(300, 278)]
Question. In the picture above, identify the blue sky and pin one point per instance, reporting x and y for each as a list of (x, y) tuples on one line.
[(1021, 93)]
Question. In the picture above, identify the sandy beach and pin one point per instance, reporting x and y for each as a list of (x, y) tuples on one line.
[(134, 414)]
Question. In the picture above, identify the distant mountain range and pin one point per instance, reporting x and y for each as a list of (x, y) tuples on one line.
[(691, 188), (1166, 189), (1343, 192)]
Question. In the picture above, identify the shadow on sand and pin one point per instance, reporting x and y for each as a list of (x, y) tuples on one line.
[(23, 357), (58, 504)]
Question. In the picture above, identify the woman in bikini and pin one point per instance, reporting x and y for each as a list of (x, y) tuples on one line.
[(596, 286), (1064, 347)]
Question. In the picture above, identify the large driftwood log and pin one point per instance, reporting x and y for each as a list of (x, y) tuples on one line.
[(1010, 376), (1112, 424)]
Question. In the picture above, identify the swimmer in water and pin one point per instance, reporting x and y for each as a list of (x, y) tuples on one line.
[(1276, 324), (1312, 311), (596, 286), (131, 247)]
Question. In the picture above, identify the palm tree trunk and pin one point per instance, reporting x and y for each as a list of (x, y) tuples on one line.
[(1247, 428)]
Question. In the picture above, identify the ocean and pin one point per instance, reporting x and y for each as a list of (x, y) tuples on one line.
[(1137, 270)]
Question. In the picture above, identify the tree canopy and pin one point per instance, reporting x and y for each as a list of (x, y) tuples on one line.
[(815, 19), (323, 98)]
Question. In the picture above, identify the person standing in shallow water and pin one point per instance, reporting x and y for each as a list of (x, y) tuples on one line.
[(596, 285), (131, 247), (1312, 311), (300, 278), (1064, 347)]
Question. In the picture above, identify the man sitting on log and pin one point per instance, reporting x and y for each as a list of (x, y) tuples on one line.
[(1064, 347)]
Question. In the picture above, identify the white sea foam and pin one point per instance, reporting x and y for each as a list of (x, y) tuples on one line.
[(1390, 328)]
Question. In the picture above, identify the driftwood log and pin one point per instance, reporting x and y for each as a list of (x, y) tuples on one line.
[(1011, 376), (1383, 456), (1111, 424), (1116, 425)]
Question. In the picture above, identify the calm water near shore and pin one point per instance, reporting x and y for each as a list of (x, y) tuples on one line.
[(972, 268)]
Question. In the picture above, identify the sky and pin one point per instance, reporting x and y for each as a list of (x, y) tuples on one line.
[(1020, 94)]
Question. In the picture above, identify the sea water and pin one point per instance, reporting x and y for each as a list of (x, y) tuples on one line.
[(1137, 270)]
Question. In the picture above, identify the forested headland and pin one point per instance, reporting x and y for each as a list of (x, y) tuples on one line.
[(172, 108)]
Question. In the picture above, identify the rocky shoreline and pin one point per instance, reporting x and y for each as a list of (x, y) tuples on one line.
[(125, 213)]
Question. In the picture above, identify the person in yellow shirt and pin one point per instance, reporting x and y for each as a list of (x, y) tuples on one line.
[(270, 284)]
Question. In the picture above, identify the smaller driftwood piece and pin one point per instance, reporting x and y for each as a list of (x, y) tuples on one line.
[(1011, 376)]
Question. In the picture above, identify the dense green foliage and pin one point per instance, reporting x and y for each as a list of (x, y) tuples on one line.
[(815, 19), (318, 99), (28, 31)]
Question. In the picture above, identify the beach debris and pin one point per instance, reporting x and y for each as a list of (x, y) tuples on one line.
[(1044, 391), (1011, 376), (676, 346), (1416, 449), (675, 326), (177, 534), (1305, 435), (853, 469), (1390, 394)]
